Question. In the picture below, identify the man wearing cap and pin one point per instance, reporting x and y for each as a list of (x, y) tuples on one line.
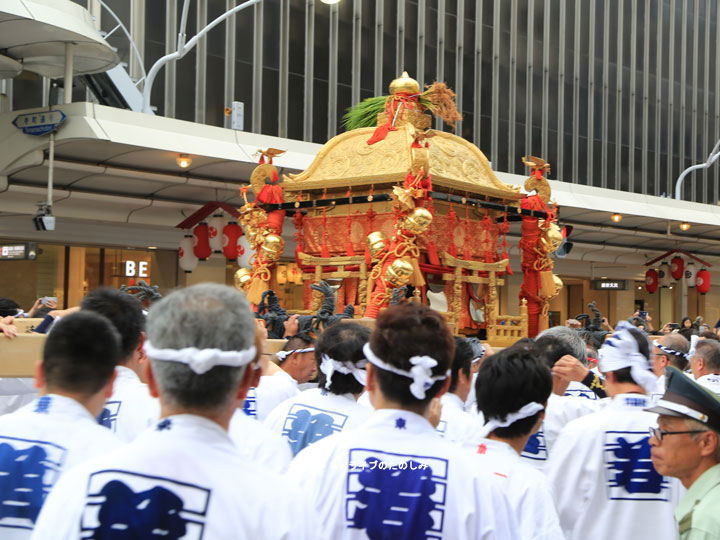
[(393, 477), (705, 364), (668, 350), (600, 465), (184, 478), (685, 445), (331, 407)]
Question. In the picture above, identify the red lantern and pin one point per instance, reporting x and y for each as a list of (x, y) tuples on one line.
[(702, 280), (651, 280), (677, 266), (230, 234), (201, 241)]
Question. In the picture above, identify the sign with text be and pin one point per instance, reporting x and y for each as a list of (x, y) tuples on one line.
[(137, 269)]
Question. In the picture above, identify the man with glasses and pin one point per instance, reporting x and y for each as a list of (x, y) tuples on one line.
[(686, 445)]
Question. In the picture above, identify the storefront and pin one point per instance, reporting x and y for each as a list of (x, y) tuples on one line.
[(69, 272)]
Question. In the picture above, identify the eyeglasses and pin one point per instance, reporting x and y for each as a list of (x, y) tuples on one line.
[(659, 433)]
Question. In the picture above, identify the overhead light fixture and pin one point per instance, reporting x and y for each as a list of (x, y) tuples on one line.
[(639, 288), (183, 160), (152, 247), (670, 287), (603, 277), (330, 1), (684, 225), (617, 218)]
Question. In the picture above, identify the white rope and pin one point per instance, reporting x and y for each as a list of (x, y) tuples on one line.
[(420, 373), (329, 366), (201, 360), (526, 411)]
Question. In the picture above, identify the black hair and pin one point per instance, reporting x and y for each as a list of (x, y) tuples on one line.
[(301, 340), (8, 307), (623, 375), (509, 380), (80, 354), (709, 334), (342, 341), (403, 331), (462, 361), (124, 312)]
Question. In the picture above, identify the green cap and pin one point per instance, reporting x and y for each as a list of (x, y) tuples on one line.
[(685, 398)]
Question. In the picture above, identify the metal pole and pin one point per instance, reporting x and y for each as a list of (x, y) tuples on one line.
[(51, 162), (712, 158), (67, 89), (184, 48)]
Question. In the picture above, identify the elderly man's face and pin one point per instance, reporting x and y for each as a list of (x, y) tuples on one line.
[(676, 455), (306, 366), (659, 361)]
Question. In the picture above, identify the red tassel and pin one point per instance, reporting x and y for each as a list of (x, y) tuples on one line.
[(368, 258), (432, 253), (380, 133), (324, 251)]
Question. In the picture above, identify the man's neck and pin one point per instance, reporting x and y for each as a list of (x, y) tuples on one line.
[(219, 416), (516, 443), (615, 389), (379, 401), (94, 404), (705, 464)]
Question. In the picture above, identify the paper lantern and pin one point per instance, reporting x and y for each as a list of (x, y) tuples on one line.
[(281, 274), (201, 241), (215, 228), (294, 274), (230, 235), (702, 280), (244, 251), (677, 267), (664, 275), (651, 280), (186, 257), (690, 274)]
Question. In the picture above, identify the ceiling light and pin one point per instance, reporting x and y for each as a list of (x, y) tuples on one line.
[(603, 277), (684, 225), (617, 218), (670, 287), (183, 160), (152, 247), (639, 288), (330, 1)]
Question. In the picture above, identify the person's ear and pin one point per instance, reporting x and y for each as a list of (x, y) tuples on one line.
[(700, 363), (150, 378), (39, 374), (708, 443), (444, 389)]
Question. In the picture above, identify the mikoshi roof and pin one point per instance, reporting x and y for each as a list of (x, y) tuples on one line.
[(347, 161)]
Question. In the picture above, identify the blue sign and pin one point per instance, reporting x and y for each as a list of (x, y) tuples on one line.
[(39, 123)]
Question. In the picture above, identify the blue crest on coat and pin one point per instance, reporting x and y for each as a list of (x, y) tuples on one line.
[(305, 425), (630, 473), (109, 414)]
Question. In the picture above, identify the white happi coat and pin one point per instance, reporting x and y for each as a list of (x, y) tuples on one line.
[(528, 489), (37, 444), (15, 393), (578, 389), (182, 479), (257, 443), (270, 392), (604, 479), (711, 382), (394, 477), (314, 414), (131, 409), (455, 424), (559, 412)]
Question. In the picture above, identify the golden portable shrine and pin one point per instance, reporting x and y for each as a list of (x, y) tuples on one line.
[(399, 205)]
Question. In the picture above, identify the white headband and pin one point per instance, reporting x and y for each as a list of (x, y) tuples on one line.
[(282, 355), (480, 357), (329, 366), (620, 350), (201, 360), (668, 350), (420, 373), (526, 411)]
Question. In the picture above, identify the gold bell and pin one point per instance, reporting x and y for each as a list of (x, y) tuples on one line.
[(272, 247), (405, 83), (376, 242), (418, 221), (558, 285), (399, 273), (242, 278), (552, 237)]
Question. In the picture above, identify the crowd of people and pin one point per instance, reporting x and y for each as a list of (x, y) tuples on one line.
[(175, 423)]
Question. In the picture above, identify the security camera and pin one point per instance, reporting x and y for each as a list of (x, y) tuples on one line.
[(44, 220)]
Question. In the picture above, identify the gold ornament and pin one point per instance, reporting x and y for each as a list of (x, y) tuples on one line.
[(552, 236), (399, 273), (242, 278), (405, 83), (558, 285), (376, 242), (418, 221), (272, 247)]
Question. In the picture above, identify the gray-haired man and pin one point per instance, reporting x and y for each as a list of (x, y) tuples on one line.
[(185, 478)]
